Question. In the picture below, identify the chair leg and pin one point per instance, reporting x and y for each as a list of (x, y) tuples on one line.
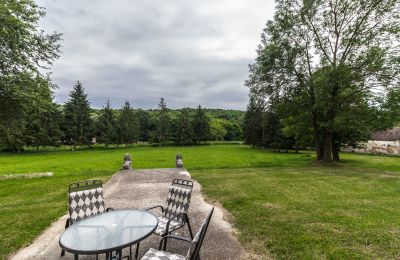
[(190, 229), (137, 250), (165, 242), (66, 226)]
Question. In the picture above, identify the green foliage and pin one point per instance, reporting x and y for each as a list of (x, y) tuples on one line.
[(106, 125), (326, 61), (217, 130), (128, 124), (184, 132), (145, 125), (201, 125), (25, 94), (163, 122), (77, 122)]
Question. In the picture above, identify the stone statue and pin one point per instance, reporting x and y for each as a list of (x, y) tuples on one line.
[(127, 162), (179, 161)]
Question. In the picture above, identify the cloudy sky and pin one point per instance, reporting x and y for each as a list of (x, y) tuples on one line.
[(189, 52)]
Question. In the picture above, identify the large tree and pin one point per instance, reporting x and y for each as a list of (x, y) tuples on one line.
[(331, 59), (24, 53), (201, 125), (163, 122), (184, 131), (77, 122), (128, 125), (106, 125)]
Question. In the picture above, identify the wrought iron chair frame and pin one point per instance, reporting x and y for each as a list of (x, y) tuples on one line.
[(188, 184)]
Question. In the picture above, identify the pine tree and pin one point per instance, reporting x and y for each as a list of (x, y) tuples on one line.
[(184, 133), (253, 123), (201, 125), (163, 122), (77, 121), (107, 125), (145, 125), (128, 124)]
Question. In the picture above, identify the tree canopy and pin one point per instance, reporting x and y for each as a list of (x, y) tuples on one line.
[(326, 65)]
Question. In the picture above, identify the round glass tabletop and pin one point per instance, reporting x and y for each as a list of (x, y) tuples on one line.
[(108, 231)]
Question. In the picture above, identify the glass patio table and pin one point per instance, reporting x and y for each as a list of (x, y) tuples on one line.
[(108, 232)]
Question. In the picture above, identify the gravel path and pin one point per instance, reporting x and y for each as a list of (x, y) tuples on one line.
[(139, 189)]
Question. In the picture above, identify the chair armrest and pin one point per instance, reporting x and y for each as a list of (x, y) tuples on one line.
[(110, 209), (171, 218), (187, 240), (153, 207)]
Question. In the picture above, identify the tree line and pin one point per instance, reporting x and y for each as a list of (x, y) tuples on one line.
[(127, 125), (326, 75), (76, 123)]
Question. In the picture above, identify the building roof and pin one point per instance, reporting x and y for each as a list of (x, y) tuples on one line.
[(388, 135)]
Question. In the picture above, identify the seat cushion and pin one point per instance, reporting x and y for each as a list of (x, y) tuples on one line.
[(162, 225), (154, 254)]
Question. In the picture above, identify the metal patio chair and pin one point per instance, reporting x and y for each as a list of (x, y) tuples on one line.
[(85, 199), (175, 213), (194, 248)]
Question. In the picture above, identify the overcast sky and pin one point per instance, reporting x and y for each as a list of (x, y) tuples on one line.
[(189, 51)]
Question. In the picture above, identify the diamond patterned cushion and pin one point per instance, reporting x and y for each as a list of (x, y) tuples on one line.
[(85, 203), (178, 201), (154, 254), (162, 226)]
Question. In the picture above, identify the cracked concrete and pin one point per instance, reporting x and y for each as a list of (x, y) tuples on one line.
[(136, 189)]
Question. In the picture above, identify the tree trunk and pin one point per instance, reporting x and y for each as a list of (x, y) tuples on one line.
[(318, 146), (335, 152), (327, 146)]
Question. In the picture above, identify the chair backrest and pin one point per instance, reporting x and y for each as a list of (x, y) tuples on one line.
[(85, 199), (178, 199), (194, 249)]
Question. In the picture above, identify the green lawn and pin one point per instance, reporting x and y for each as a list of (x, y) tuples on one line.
[(282, 204)]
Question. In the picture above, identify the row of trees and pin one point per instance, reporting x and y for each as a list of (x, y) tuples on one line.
[(326, 75), (76, 123), (128, 125)]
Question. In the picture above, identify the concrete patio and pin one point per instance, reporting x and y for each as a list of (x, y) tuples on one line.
[(136, 189)]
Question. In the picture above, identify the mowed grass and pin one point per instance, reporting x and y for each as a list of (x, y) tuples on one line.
[(282, 204), (309, 212)]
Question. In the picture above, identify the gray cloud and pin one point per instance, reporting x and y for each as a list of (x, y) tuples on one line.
[(190, 52)]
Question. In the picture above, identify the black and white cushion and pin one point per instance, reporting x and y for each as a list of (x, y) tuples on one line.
[(178, 202), (162, 225), (154, 254), (85, 203)]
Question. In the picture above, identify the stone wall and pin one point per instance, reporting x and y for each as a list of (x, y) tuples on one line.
[(377, 147)]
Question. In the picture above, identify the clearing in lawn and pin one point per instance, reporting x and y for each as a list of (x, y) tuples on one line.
[(282, 204)]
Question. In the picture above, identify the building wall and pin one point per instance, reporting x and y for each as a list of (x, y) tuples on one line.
[(377, 147)]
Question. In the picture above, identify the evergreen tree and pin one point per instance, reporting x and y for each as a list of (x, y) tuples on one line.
[(107, 125), (184, 132), (253, 123), (163, 122), (201, 125), (145, 126), (128, 124), (77, 121)]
